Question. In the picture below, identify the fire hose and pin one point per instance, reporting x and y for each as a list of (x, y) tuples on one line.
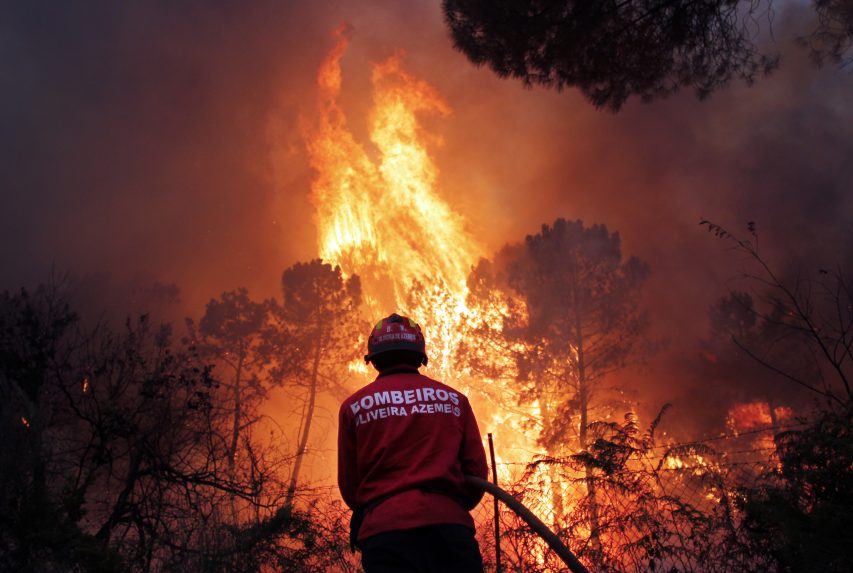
[(534, 522)]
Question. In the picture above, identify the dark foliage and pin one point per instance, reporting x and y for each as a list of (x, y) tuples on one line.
[(742, 326), (117, 448), (832, 38), (801, 514), (612, 49), (39, 518), (810, 311)]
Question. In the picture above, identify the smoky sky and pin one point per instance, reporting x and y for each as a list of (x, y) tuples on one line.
[(160, 142), (134, 138)]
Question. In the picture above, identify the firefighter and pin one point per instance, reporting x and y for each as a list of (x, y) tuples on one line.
[(405, 441)]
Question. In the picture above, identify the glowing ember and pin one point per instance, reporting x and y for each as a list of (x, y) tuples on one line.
[(674, 463), (25, 422)]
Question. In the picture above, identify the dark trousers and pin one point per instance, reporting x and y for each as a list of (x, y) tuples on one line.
[(441, 548)]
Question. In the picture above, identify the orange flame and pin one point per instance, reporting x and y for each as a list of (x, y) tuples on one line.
[(383, 219), (380, 216), (753, 415)]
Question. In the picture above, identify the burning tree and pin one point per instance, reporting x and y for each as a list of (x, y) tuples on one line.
[(572, 318), (383, 219), (317, 333)]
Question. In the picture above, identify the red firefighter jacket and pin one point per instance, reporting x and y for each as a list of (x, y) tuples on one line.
[(404, 443)]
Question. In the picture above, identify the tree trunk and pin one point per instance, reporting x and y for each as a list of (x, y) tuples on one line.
[(238, 406), (309, 415), (583, 406), (120, 505), (771, 407), (235, 430), (557, 505)]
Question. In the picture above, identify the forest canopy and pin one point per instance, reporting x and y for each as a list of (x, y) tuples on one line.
[(617, 49)]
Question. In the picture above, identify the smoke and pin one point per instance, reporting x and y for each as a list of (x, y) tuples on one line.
[(134, 141), (774, 153), (162, 141)]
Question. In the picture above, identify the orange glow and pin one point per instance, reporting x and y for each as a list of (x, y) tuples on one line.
[(753, 415), (674, 463), (25, 422), (380, 215), (784, 413), (383, 219), (750, 416)]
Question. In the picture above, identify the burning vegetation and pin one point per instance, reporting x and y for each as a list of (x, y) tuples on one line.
[(131, 448)]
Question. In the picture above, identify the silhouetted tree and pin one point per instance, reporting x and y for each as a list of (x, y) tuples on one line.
[(39, 517), (108, 473), (797, 516), (736, 324), (801, 513), (812, 310), (582, 300), (572, 318), (318, 333), (613, 49), (832, 38), (231, 334), (115, 456)]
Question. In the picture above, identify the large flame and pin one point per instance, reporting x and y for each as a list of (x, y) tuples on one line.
[(383, 219), (380, 216)]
